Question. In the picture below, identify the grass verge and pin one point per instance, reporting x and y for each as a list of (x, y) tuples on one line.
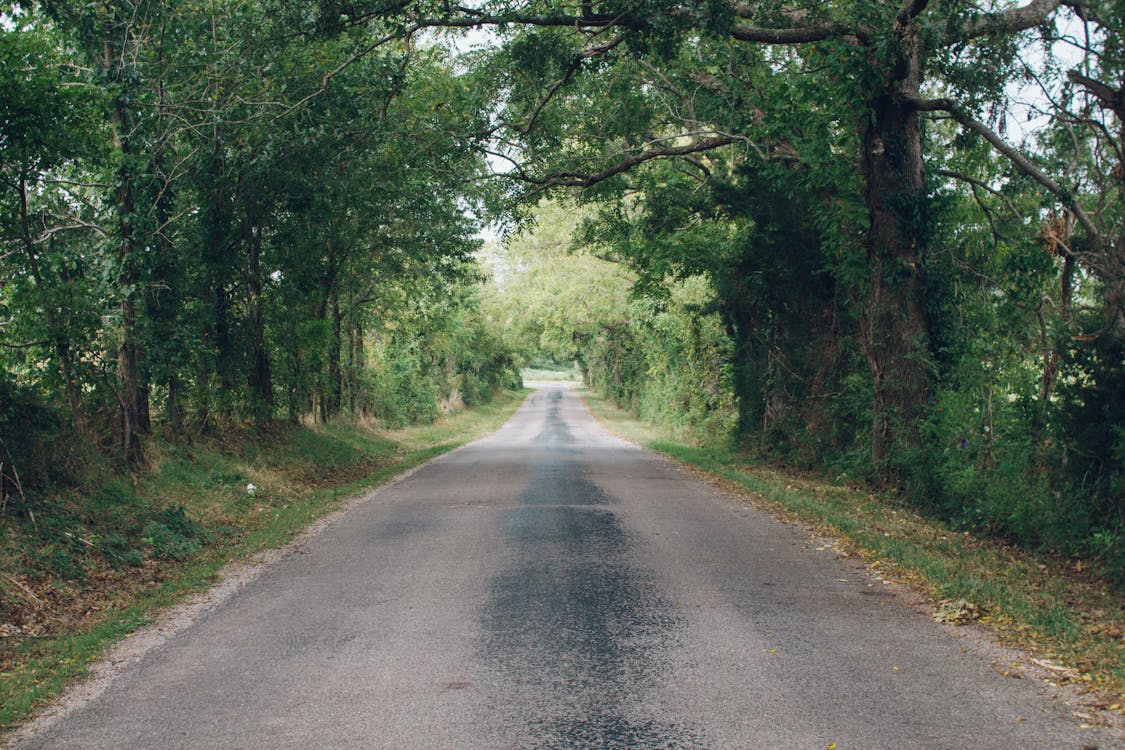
[(90, 567), (1055, 608)]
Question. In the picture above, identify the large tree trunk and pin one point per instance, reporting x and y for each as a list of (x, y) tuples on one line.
[(895, 325)]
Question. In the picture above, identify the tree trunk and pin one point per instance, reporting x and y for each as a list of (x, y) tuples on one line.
[(359, 364), (219, 222), (293, 393), (260, 378), (204, 388), (173, 410), (895, 325), (330, 374), (335, 371), (133, 394), (351, 368)]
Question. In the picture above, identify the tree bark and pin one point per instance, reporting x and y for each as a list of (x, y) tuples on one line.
[(895, 321), (132, 395), (173, 410), (335, 371), (293, 394), (330, 374)]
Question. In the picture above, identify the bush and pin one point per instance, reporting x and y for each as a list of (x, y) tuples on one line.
[(31, 437), (671, 365)]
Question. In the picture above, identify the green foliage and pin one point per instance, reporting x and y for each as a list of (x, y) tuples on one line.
[(953, 330), (408, 395), (200, 232), (210, 220), (172, 535)]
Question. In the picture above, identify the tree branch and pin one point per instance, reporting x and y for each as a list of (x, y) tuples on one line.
[(78, 224), (1064, 196), (327, 77), (473, 18), (1110, 98), (1010, 21), (795, 35), (583, 180), (909, 11), (571, 69), (980, 184)]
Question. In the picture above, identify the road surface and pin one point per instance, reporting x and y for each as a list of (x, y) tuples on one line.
[(552, 586)]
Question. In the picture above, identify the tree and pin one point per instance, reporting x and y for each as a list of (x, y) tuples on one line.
[(194, 163), (46, 116), (874, 59)]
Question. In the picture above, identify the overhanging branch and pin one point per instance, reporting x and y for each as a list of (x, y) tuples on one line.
[(796, 35), (585, 180), (1010, 21), (1014, 155), (568, 75), (1110, 98), (327, 77)]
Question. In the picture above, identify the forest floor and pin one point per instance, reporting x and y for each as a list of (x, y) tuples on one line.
[(1068, 617), (88, 567)]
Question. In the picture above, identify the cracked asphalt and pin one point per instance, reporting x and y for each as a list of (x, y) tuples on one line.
[(552, 586)]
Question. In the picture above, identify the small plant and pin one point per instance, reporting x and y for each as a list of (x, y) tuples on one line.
[(173, 535), (121, 551)]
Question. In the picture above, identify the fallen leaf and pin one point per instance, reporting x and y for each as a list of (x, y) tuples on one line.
[(956, 612)]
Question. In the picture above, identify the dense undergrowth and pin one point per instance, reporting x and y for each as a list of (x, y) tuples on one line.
[(91, 561)]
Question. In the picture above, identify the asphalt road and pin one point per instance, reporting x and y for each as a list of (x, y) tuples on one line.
[(554, 587)]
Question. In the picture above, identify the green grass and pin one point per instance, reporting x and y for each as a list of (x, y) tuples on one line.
[(1054, 607), (299, 474)]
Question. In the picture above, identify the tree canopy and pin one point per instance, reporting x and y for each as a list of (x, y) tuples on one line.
[(883, 239)]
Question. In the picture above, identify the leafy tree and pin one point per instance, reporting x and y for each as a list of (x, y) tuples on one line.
[(219, 215), (47, 117)]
